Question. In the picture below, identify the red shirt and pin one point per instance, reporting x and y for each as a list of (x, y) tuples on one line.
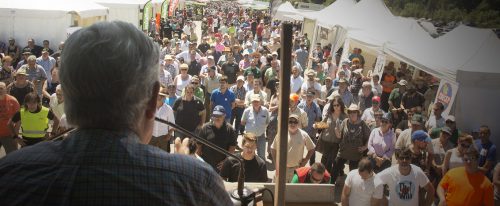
[(8, 107), (259, 30)]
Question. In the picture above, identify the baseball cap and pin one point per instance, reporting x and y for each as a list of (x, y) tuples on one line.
[(450, 118), (26, 51), (168, 57), (366, 84), (274, 53), (420, 135), (310, 93), (403, 82), (45, 50), (343, 80), (446, 130), (240, 78), (294, 97), (21, 71), (387, 116), (255, 97), (376, 99), (219, 110), (417, 119), (293, 116)]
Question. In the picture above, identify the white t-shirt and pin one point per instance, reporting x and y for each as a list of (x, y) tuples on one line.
[(296, 84), (363, 190), (165, 112), (403, 190), (306, 86)]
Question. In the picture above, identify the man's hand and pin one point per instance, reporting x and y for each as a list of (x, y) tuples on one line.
[(20, 141), (442, 203), (303, 162), (378, 161), (219, 165), (362, 148)]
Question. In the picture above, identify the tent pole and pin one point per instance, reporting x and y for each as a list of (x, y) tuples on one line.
[(286, 65)]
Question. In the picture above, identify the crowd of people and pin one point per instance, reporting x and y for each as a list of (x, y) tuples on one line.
[(385, 127)]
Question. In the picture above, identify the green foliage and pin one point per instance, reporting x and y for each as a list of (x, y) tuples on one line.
[(480, 13)]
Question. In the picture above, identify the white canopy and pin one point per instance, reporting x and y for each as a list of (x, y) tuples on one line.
[(332, 14), (285, 9), (46, 19), (84, 9), (124, 10)]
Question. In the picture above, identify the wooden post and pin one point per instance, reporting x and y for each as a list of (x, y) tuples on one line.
[(283, 112)]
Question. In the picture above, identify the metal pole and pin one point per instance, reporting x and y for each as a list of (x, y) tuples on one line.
[(284, 95)]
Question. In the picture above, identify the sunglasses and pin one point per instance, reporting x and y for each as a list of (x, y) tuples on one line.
[(194, 83), (404, 158), (352, 112), (468, 159), (336, 105), (293, 122), (465, 145)]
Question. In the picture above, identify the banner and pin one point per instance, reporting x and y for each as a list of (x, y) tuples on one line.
[(446, 94), (172, 7), (379, 66), (164, 9), (147, 14)]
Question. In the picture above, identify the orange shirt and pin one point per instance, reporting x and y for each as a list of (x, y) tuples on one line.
[(463, 188), (388, 78), (8, 107)]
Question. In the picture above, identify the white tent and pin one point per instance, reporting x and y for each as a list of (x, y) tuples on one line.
[(469, 57), (330, 15), (285, 9), (44, 19), (124, 10)]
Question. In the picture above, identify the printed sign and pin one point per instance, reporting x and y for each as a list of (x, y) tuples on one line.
[(379, 65), (446, 95)]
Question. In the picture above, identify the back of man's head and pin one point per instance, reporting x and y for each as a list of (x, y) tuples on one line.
[(365, 165), (109, 71), (318, 167)]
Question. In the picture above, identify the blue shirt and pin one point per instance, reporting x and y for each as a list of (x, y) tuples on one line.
[(225, 100), (170, 100), (487, 152), (313, 114), (102, 167)]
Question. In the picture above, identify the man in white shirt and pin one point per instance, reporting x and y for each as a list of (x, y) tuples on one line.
[(362, 187), (162, 133), (436, 120), (404, 181), (311, 85), (57, 102), (296, 81)]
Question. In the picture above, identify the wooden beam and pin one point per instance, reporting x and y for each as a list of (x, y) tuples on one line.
[(283, 112)]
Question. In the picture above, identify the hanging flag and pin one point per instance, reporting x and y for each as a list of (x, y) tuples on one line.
[(172, 7), (164, 9), (147, 14)]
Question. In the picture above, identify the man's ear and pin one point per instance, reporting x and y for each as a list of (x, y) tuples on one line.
[(151, 105)]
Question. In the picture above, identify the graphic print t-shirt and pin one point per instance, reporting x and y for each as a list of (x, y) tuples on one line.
[(403, 189)]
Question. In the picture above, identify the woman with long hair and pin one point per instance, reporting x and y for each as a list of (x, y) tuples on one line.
[(328, 143)]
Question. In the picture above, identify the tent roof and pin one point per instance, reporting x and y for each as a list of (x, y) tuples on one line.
[(83, 8), (285, 9), (332, 14)]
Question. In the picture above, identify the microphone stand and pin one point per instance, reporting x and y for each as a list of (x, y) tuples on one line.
[(241, 195)]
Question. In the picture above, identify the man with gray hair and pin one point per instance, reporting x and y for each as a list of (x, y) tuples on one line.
[(111, 100), (35, 73)]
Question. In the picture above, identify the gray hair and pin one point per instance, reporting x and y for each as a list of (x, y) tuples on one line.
[(108, 72), (31, 58)]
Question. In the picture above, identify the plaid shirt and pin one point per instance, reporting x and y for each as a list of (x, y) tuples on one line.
[(99, 167)]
